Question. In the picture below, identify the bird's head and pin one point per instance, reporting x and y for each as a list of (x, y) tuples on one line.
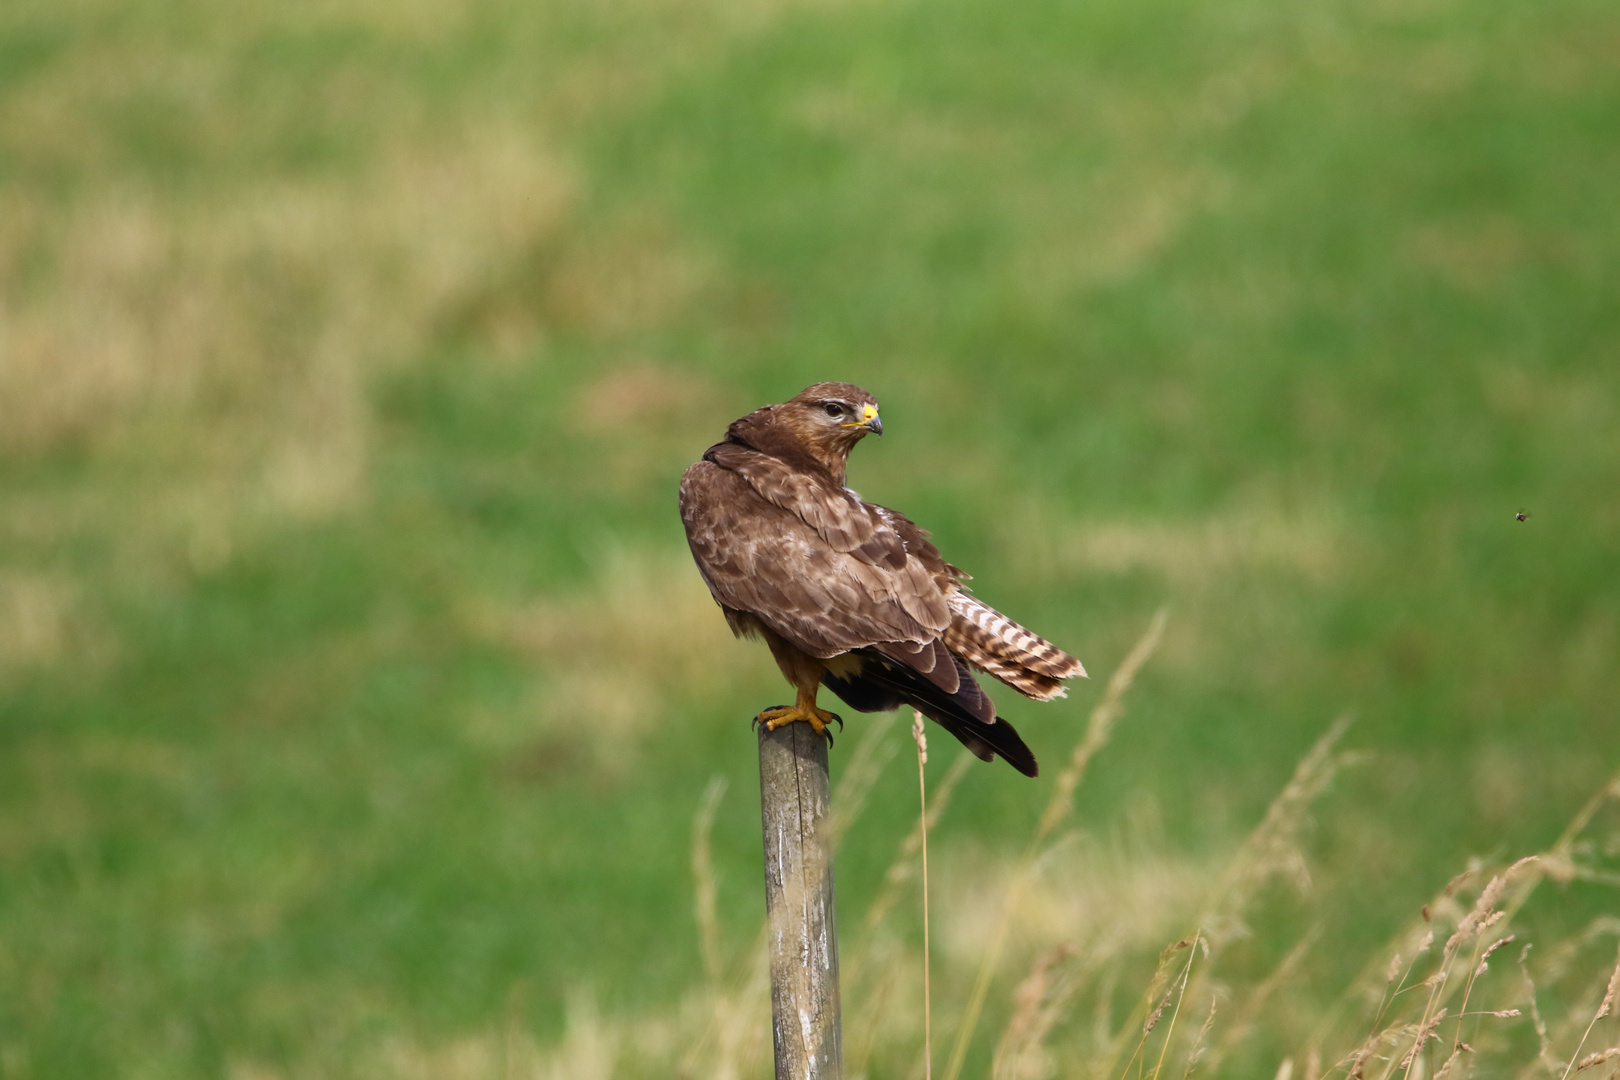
[(823, 422), (833, 414)]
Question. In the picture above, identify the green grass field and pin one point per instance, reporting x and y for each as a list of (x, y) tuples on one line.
[(357, 692)]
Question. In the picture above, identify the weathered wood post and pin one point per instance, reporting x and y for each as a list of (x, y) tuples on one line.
[(794, 798)]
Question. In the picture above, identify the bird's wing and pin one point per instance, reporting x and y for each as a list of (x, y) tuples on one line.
[(839, 517), (983, 636), (821, 571)]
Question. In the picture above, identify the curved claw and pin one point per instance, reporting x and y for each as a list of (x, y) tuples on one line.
[(781, 715), (761, 718), (826, 728)]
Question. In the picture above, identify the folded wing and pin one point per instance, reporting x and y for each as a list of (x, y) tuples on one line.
[(769, 561)]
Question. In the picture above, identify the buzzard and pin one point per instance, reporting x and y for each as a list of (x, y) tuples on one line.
[(846, 593)]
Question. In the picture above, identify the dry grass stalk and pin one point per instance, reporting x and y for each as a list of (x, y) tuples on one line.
[(1480, 917), (1484, 909), (1421, 1038), (1161, 989), (1608, 994), (1602, 1010), (1366, 1052), (1158, 1010), (900, 870), (1485, 960), (1456, 1054), (921, 739), (869, 954), (1254, 1004), (1598, 1058), (1098, 729), (1475, 971), (1201, 1042), (1269, 848), (1181, 997), (1562, 956), (1502, 897)]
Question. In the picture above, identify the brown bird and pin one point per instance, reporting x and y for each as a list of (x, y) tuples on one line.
[(846, 593)]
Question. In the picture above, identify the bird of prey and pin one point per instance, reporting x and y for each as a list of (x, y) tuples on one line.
[(846, 593)]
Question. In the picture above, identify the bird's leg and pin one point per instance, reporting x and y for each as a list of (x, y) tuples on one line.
[(804, 709)]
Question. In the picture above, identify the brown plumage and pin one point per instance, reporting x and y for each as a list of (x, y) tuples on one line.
[(846, 593)]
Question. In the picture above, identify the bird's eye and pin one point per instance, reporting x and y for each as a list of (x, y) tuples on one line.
[(833, 408)]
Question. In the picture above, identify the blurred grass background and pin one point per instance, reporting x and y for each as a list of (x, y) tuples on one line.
[(356, 689)]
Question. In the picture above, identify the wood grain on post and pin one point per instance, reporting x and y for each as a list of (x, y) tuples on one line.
[(794, 800)]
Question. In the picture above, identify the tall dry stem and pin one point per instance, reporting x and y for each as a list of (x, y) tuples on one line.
[(921, 739), (1181, 997), (1602, 1010), (1271, 847), (901, 868), (1098, 729), (1253, 1007), (1201, 1043)]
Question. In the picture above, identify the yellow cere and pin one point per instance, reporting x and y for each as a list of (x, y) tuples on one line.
[(867, 413)]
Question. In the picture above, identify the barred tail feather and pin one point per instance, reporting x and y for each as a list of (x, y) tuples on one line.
[(1039, 687), (999, 647)]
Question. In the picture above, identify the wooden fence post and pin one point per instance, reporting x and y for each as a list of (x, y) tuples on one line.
[(794, 799)]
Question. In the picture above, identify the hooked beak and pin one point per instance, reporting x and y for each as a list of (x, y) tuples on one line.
[(869, 420)]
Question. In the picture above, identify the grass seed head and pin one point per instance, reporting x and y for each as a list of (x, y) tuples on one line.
[(1598, 1058), (1424, 1033), (1153, 1017), (1484, 961), (1609, 993)]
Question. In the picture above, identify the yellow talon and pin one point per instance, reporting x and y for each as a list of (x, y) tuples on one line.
[(804, 709), (783, 715)]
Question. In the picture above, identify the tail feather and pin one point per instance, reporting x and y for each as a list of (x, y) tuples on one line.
[(1028, 683), (996, 645), (884, 683), (932, 659)]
